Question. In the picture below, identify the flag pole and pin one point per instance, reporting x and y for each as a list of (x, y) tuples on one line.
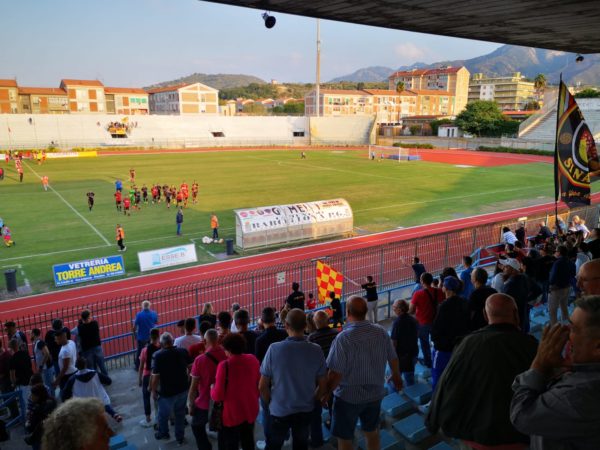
[(556, 180)]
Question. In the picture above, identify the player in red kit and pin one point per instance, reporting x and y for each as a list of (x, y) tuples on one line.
[(118, 199)]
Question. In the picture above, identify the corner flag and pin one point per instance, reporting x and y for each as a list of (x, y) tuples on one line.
[(328, 280), (575, 155)]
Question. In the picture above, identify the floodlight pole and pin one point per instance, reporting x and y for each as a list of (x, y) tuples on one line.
[(318, 80)]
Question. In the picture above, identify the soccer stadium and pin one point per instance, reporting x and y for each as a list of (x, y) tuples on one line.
[(183, 269)]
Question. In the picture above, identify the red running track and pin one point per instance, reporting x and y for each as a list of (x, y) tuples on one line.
[(46, 303), (477, 158)]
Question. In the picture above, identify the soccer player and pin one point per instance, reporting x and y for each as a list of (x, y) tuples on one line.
[(158, 192), (118, 185), (118, 198), (145, 194), (1, 173), (19, 166), (121, 238), (45, 182), (132, 195), (195, 192), (154, 191), (132, 175), (214, 224), (6, 235), (168, 197), (179, 198), (303, 155), (90, 197), (126, 206), (137, 198)]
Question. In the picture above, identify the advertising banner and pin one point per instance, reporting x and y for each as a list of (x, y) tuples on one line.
[(88, 270), (166, 257), (85, 154)]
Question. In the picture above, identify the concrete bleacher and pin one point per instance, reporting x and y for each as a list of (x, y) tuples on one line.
[(87, 130)]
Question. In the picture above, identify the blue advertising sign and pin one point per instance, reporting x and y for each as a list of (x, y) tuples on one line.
[(88, 270)]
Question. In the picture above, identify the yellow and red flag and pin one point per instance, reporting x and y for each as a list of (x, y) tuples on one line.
[(328, 280)]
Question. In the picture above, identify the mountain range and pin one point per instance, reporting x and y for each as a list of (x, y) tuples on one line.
[(217, 81), (502, 62)]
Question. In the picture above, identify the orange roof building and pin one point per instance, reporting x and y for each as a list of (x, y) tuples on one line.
[(9, 97), (120, 100), (195, 98), (43, 100)]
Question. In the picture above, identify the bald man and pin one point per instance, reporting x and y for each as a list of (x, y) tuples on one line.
[(472, 399), (588, 278), (356, 363)]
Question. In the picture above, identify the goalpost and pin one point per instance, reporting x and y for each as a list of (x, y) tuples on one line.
[(400, 154)]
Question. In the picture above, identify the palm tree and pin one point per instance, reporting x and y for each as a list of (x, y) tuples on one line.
[(539, 83), (400, 86)]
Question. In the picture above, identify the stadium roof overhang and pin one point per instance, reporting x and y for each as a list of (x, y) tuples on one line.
[(566, 25)]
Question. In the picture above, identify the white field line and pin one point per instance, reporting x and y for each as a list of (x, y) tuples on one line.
[(106, 241)]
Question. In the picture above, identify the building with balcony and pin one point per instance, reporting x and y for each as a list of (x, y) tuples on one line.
[(511, 93), (36, 100), (9, 97), (196, 98), (339, 102), (126, 101), (391, 106), (453, 81), (85, 96)]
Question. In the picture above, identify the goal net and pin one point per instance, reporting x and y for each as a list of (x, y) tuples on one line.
[(379, 152)]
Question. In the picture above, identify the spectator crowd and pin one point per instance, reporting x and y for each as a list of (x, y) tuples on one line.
[(494, 385)]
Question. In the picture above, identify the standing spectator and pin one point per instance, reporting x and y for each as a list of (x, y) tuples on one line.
[(208, 315), (120, 236), (532, 251), (224, 325), (311, 302), (465, 277), (5, 383), (588, 278), (450, 324), (66, 358), (189, 338), (296, 298), (270, 334), (419, 269), (170, 372), (544, 266), (20, 368), (234, 307), (583, 255), (87, 383), (236, 385), (520, 232), (337, 317), (323, 336), (40, 408), (203, 373), (291, 371), (53, 347), (144, 374), (580, 226), (214, 225), (478, 297), (78, 424), (561, 274), (515, 285), (179, 220), (558, 408), (594, 243), (424, 305), (91, 345), (145, 320), (357, 382), (370, 288), (475, 412), (544, 232), (405, 332), (508, 237), (10, 328), (242, 320), (43, 360), (197, 349)]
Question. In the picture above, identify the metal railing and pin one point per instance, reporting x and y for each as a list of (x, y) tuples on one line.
[(389, 264)]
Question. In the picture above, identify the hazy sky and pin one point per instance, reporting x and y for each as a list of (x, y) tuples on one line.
[(140, 42)]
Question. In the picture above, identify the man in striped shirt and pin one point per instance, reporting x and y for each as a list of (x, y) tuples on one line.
[(356, 363)]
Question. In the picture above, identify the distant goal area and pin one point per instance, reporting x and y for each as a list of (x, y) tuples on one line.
[(400, 154)]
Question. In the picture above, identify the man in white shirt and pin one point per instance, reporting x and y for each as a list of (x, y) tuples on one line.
[(66, 358), (189, 338)]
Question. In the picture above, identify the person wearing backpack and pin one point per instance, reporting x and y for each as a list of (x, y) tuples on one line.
[(424, 305)]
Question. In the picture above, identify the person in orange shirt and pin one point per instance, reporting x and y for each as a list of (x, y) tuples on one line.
[(214, 224), (45, 182), (120, 238)]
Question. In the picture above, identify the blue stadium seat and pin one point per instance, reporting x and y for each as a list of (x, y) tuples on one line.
[(395, 404), (412, 428), (422, 372), (442, 446), (388, 442), (419, 393), (117, 441), (130, 447)]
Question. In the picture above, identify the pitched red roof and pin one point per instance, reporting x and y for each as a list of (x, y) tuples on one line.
[(70, 82), (8, 83), (424, 72), (120, 90), (430, 92), (166, 88), (42, 91)]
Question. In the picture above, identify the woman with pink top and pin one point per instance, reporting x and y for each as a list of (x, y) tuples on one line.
[(236, 385)]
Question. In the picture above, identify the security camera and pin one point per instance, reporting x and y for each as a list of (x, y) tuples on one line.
[(269, 20)]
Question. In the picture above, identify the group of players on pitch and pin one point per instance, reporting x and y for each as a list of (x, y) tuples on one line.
[(126, 201)]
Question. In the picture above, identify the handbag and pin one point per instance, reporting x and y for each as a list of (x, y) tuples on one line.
[(215, 421)]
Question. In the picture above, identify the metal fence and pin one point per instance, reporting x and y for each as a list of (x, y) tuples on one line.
[(390, 264)]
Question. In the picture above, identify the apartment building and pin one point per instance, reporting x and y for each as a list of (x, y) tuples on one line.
[(339, 102), (511, 93), (85, 96), (196, 98), (9, 97), (391, 106), (453, 81), (36, 100), (435, 103), (126, 101)]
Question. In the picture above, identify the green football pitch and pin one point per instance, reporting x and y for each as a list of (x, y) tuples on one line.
[(56, 227)]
